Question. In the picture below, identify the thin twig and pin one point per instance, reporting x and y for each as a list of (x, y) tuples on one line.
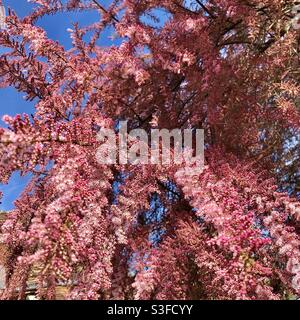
[(205, 9), (104, 10)]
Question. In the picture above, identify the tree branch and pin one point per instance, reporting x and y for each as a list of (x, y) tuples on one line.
[(205, 9), (104, 10)]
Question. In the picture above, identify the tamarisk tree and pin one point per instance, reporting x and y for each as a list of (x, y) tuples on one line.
[(142, 231)]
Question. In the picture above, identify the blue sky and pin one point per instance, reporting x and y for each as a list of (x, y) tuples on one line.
[(12, 102)]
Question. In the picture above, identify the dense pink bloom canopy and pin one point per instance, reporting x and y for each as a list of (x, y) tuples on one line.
[(230, 67)]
